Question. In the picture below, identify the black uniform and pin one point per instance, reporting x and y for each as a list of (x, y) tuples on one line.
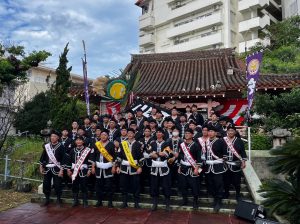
[(234, 173), (182, 127), (160, 172), (198, 118), (174, 144), (114, 134), (129, 179), (81, 180), (186, 176), (215, 168), (147, 162), (67, 143), (52, 171), (140, 122), (104, 175)]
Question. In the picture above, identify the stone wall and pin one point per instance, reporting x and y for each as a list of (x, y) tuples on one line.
[(259, 160)]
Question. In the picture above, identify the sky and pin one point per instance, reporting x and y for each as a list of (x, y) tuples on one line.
[(109, 28)]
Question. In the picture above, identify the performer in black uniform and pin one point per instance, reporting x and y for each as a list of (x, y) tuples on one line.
[(188, 172), (114, 132), (140, 119), (51, 166), (79, 169), (183, 125), (104, 168), (197, 116), (146, 140), (130, 172), (236, 157), (160, 172), (174, 144), (215, 167)]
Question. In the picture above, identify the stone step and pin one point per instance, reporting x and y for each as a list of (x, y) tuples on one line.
[(205, 207)]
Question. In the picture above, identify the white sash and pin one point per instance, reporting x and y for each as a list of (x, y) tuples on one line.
[(202, 143), (232, 149), (51, 155), (80, 162), (187, 154)]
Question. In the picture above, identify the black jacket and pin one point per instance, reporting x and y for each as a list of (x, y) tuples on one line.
[(100, 173)]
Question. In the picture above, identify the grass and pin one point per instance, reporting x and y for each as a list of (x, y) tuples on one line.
[(27, 149), (10, 199)]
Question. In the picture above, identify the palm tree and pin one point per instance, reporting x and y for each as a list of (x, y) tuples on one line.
[(283, 196)]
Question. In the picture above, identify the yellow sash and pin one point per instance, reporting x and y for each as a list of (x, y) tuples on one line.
[(104, 152), (128, 154)]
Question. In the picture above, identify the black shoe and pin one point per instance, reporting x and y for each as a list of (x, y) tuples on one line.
[(58, 203), (184, 202), (195, 203), (46, 202), (99, 204), (168, 208), (75, 203), (124, 205), (218, 205), (154, 204), (85, 200), (136, 205), (110, 204)]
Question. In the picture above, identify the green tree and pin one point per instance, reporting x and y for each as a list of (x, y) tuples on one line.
[(279, 110), (34, 115), (283, 196), (282, 56), (14, 64), (59, 93)]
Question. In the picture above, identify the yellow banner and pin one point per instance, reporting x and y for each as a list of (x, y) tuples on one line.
[(129, 155), (104, 152)]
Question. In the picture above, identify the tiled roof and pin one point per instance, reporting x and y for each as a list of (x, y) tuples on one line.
[(196, 73)]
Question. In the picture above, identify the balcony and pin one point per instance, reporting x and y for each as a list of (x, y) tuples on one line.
[(146, 40), (244, 5), (198, 43), (198, 24), (146, 22), (192, 7), (254, 23), (250, 43)]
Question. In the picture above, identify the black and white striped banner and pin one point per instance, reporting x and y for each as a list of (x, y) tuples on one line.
[(147, 107)]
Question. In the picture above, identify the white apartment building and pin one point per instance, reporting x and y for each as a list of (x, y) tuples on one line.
[(40, 79), (185, 25), (290, 8)]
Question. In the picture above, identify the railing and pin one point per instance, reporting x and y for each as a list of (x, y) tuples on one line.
[(19, 169)]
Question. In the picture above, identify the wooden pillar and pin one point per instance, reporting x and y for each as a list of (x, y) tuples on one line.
[(209, 107)]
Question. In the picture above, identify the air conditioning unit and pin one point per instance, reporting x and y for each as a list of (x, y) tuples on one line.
[(217, 7)]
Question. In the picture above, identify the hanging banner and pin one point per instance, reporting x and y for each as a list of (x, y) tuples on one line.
[(253, 64), (117, 89), (146, 107), (113, 108)]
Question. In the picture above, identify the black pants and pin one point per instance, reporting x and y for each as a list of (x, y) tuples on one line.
[(188, 181), (104, 185), (80, 183), (57, 182), (130, 184), (174, 175), (164, 181), (215, 185), (232, 178), (145, 177)]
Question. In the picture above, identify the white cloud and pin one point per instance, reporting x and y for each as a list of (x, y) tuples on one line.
[(109, 28)]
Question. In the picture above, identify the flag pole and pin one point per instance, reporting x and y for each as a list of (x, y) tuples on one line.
[(86, 88)]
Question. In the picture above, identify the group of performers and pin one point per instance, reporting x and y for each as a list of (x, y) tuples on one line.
[(126, 151)]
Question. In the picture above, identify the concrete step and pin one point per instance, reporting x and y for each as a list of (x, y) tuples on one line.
[(205, 207), (147, 197)]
